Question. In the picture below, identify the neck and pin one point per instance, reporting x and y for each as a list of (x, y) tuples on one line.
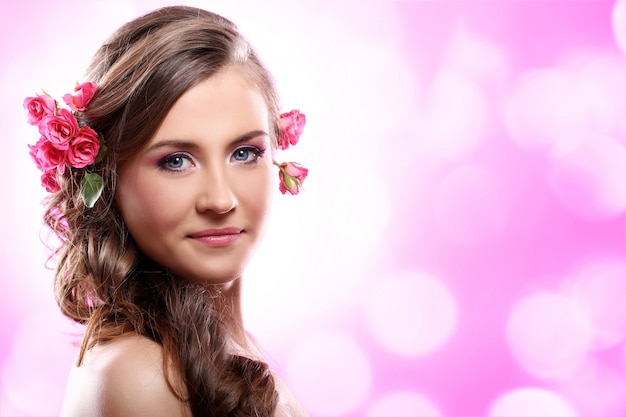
[(230, 309)]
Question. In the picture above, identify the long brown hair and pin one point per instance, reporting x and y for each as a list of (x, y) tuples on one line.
[(102, 278)]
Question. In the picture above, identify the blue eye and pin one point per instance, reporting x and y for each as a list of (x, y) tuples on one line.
[(176, 162), (247, 154)]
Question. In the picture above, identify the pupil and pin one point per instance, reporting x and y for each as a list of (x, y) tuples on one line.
[(242, 154), (176, 162)]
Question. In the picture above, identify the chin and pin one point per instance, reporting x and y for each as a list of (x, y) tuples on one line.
[(213, 276)]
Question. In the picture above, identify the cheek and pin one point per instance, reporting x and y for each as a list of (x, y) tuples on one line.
[(256, 193), (142, 204)]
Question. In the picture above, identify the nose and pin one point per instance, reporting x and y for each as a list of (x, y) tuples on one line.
[(215, 193)]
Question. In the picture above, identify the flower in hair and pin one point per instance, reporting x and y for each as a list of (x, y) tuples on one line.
[(59, 128), (290, 127), (64, 142), (83, 93), (291, 174), (39, 106)]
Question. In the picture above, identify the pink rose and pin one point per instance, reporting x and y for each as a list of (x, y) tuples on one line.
[(84, 148), (290, 127), (46, 156), (291, 177), (59, 129), (49, 181), (83, 93), (38, 107)]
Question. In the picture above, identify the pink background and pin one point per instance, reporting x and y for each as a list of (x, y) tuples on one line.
[(460, 247)]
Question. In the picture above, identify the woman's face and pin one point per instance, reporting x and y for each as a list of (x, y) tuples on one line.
[(196, 198)]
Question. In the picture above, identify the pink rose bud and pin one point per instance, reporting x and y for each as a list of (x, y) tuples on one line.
[(49, 181), (84, 148), (59, 129), (46, 156), (290, 128), (291, 177), (38, 107), (83, 93)]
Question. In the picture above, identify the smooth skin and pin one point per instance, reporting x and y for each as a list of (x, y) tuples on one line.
[(209, 166)]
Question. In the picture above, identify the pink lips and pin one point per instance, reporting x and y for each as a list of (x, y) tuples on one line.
[(217, 237)]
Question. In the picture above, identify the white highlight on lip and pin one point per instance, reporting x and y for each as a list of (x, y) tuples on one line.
[(412, 314), (217, 240), (330, 374), (532, 402), (549, 334)]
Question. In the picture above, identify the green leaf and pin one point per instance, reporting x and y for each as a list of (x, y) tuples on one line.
[(101, 153), (91, 188), (103, 149)]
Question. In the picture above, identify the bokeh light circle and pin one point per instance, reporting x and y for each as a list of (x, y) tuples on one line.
[(600, 286), (544, 112), (330, 374), (532, 402), (476, 56), (455, 118), (412, 314), (598, 387), (40, 354), (549, 334), (403, 404), (591, 181), (471, 205), (619, 23), (366, 190)]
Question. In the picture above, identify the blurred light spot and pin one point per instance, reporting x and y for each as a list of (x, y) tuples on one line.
[(471, 205), (403, 404), (356, 213), (532, 402), (332, 230), (598, 387), (40, 358), (329, 374), (601, 287), (549, 334), (453, 121), (591, 181), (395, 83), (545, 112), (412, 314), (619, 24), (7, 408), (478, 58), (600, 82)]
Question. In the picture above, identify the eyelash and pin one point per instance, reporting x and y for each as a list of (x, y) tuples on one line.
[(162, 164), (258, 153)]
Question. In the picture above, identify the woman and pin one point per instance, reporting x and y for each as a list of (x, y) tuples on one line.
[(161, 179)]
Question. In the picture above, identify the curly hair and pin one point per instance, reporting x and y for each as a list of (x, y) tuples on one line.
[(102, 279)]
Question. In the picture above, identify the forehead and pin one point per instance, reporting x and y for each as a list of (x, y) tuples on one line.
[(220, 107)]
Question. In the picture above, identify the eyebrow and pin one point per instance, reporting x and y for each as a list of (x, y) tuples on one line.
[(176, 143)]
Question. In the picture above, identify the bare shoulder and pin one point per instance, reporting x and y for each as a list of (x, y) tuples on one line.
[(123, 377)]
